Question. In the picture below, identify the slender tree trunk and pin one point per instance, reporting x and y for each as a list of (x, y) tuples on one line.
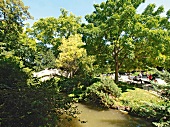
[(116, 65)]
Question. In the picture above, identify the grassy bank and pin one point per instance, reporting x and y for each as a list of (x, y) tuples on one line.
[(144, 104)]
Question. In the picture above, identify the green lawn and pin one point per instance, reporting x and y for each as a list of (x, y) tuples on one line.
[(139, 96)]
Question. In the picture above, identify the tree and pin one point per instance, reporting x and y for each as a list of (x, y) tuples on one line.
[(156, 37), (120, 31), (44, 60), (12, 15), (28, 97), (26, 49), (49, 31), (71, 54)]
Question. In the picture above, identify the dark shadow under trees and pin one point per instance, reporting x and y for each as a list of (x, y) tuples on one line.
[(36, 104)]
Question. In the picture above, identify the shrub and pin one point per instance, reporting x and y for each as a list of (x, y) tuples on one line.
[(33, 107), (76, 86), (103, 92), (39, 104), (164, 92), (145, 104), (12, 73)]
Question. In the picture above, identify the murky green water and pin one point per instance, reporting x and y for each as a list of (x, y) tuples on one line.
[(94, 117)]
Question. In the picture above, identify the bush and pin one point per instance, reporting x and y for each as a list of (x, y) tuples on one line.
[(76, 86), (164, 92), (36, 104), (103, 92), (68, 85), (12, 73), (28, 102), (26, 107), (30, 107)]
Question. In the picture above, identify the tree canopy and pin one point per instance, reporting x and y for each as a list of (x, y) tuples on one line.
[(13, 13), (114, 38), (49, 31), (71, 54), (126, 37)]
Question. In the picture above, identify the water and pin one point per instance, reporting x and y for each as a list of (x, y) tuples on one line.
[(92, 116)]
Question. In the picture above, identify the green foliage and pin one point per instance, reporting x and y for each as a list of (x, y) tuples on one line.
[(25, 101), (34, 99), (76, 85), (50, 31), (12, 13), (87, 66), (26, 49), (13, 40), (143, 103), (71, 54), (115, 37), (103, 92), (44, 60), (117, 34), (164, 91), (33, 107), (28, 97), (12, 73)]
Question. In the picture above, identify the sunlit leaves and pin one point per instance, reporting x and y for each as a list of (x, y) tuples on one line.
[(130, 36), (12, 15), (149, 9), (50, 30), (71, 54)]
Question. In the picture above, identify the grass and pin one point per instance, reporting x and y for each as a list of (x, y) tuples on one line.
[(141, 103), (139, 96)]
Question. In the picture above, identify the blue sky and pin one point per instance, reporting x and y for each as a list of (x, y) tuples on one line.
[(48, 8)]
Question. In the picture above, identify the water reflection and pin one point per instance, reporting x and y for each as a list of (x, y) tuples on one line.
[(92, 116)]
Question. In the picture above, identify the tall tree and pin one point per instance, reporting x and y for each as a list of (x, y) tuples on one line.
[(119, 30), (12, 15), (49, 31), (153, 47)]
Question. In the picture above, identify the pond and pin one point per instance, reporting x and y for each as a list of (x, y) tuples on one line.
[(92, 116)]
